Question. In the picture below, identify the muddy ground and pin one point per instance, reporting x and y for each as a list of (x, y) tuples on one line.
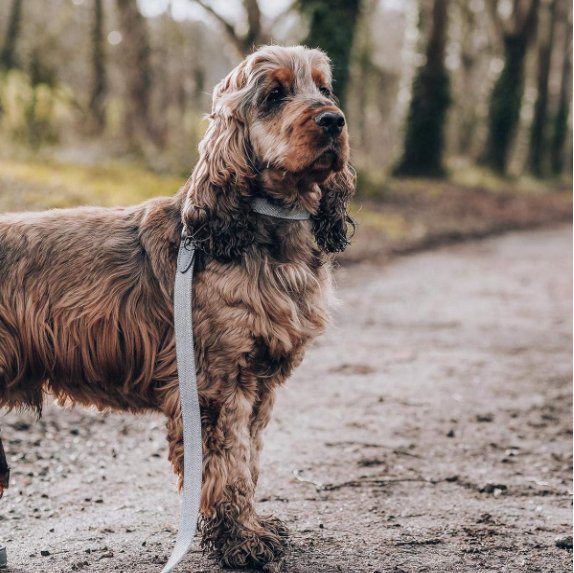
[(428, 431)]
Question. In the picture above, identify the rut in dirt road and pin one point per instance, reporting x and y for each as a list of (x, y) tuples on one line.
[(428, 431)]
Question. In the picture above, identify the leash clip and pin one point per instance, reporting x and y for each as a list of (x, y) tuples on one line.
[(186, 255)]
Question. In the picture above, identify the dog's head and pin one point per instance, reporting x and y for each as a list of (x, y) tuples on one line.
[(276, 130)]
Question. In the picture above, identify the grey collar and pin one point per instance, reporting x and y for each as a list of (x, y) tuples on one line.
[(265, 207)]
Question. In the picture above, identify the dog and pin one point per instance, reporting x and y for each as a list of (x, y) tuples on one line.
[(86, 294)]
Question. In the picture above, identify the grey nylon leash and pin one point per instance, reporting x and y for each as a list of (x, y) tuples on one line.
[(189, 399)]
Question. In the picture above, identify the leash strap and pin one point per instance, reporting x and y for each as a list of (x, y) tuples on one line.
[(190, 413)]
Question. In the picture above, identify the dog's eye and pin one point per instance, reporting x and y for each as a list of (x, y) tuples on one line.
[(275, 95), (326, 92)]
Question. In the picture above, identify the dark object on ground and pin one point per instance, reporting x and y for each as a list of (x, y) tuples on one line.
[(564, 542), (4, 471)]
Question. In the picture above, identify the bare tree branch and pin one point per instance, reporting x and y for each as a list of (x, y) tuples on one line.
[(237, 41), (253, 22), (527, 24), (497, 28), (282, 15), (8, 57), (256, 34), (517, 6)]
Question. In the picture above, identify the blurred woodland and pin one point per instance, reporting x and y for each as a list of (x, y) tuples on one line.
[(426, 84)]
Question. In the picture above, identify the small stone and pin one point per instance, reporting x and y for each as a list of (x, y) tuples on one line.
[(564, 542), (495, 488), (44, 553), (107, 555), (485, 518)]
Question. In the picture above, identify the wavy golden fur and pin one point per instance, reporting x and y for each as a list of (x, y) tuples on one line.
[(86, 310)]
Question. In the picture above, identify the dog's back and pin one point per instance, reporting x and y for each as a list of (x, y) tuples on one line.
[(76, 294)]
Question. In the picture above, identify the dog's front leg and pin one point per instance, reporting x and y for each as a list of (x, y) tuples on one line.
[(229, 524), (259, 420), (260, 417)]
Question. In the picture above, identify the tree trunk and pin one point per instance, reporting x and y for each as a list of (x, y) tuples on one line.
[(254, 33), (506, 97), (538, 135), (99, 79), (560, 123), (424, 138), (467, 113), (8, 55), (137, 73), (332, 28)]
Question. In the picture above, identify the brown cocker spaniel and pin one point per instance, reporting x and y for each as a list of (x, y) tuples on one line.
[(86, 295)]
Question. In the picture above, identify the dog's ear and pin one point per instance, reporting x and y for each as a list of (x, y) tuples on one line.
[(217, 196), (332, 222)]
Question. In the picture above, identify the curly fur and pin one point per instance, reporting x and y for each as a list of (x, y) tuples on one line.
[(86, 310)]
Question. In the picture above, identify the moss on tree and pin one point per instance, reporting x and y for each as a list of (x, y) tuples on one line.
[(505, 104), (430, 100)]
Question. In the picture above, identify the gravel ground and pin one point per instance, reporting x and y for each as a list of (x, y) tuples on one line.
[(428, 431)]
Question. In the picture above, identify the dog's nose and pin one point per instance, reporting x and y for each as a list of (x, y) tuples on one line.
[(331, 121)]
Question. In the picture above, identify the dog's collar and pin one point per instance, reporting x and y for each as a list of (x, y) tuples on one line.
[(265, 207)]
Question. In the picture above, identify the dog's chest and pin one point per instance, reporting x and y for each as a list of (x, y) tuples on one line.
[(277, 306)]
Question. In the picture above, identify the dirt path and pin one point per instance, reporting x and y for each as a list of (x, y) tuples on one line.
[(430, 430)]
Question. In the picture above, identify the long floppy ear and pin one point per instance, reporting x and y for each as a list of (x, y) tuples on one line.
[(332, 222), (217, 196)]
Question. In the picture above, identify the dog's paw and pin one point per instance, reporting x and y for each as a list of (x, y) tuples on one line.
[(275, 525), (259, 543), (256, 548)]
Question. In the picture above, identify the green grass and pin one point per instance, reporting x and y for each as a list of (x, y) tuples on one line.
[(480, 177), (33, 185), (379, 186), (393, 225)]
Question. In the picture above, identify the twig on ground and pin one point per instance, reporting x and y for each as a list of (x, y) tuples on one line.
[(431, 541), (379, 481), (375, 482), (298, 477), (398, 451)]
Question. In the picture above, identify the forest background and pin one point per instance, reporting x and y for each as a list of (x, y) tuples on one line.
[(459, 110)]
